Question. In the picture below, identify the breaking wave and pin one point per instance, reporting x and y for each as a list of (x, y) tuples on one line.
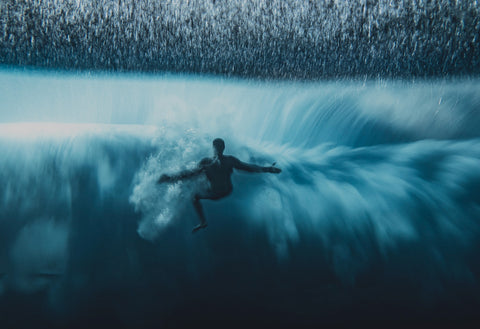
[(374, 215)]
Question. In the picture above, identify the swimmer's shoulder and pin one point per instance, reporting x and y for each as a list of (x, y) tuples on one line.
[(206, 162), (231, 160)]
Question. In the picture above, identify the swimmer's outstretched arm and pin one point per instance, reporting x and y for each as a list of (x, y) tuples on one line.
[(237, 164), (181, 175)]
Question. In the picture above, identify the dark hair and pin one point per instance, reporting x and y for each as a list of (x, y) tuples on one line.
[(219, 145)]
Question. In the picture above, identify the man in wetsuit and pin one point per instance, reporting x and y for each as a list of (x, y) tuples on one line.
[(218, 171)]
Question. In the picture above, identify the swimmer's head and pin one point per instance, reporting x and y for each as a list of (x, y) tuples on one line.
[(218, 146)]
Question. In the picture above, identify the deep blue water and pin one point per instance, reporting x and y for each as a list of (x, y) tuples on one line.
[(374, 219)]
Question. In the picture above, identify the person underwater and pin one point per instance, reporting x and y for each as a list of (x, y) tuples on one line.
[(218, 171)]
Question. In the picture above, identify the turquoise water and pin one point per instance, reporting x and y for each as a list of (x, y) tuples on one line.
[(374, 215)]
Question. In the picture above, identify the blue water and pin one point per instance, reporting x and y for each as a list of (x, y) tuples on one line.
[(374, 217)]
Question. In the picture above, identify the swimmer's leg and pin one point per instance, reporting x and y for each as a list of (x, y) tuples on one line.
[(199, 209)]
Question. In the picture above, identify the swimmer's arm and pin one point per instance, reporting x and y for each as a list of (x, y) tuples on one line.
[(183, 174), (237, 164)]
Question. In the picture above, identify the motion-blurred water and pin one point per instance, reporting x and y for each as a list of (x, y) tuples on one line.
[(374, 218)]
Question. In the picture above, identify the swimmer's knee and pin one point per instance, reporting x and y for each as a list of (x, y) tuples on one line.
[(196, 198)]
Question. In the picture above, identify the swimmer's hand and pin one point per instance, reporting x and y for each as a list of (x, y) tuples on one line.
[(272, 169), (165, 179)]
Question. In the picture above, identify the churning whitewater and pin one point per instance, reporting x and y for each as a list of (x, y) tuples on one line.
[(377, 204)]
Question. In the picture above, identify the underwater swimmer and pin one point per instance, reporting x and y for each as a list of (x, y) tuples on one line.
[(218, 171)]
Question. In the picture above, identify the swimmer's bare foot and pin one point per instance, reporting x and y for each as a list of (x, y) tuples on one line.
[(199, 227)]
